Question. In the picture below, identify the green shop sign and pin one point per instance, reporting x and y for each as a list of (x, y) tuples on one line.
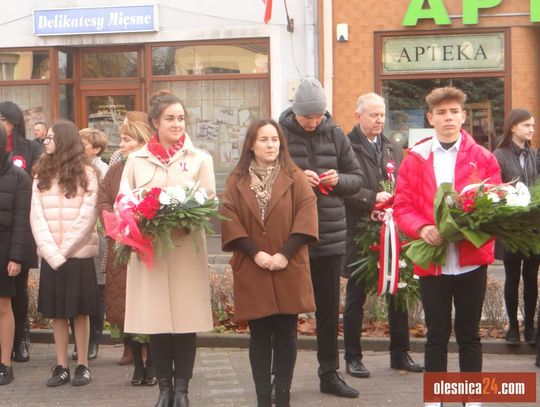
[(439, 53), (437, 12)]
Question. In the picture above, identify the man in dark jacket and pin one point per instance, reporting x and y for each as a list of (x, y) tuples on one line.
[(322, 151), (373, 151)]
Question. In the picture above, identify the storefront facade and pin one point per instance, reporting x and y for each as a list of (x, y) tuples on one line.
[(91, 63), (404, 49)]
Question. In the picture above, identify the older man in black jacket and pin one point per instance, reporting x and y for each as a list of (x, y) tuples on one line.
[(321, 150), (373, 152)]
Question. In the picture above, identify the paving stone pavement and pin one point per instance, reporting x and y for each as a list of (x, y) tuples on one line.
[(222, 378)]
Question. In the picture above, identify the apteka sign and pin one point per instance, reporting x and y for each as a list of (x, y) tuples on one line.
[(95, 20), (437, 12)]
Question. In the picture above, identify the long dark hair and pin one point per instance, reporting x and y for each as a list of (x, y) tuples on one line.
[(67, 164), (3, 145), (13, 114), (285, 160), (516, 116)]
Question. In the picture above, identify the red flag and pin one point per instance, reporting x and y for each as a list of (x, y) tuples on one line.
[(268, 11)]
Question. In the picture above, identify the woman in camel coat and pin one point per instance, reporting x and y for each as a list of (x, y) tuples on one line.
[(272, 213), (171, 302)]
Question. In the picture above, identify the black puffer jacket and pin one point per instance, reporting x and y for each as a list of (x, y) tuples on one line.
[(361, 204), (15, 196), (323, 149)]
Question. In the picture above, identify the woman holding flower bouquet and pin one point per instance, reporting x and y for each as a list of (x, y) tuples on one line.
[(170, 301), (272, 214), (63, 219), (517, 160), (450, 156), (133, 136)]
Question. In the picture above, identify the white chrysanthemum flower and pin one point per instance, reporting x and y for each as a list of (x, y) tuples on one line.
[(521, 197), (177, 194), (164, 197), (402, 264), (199, 197), (493, 197), (416, 277), (401, 284)]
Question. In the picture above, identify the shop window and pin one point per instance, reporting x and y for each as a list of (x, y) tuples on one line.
[(219, 112), (67, 102), (24, 65), (406, 120), (210, 59), (110, 64), (34, 101), (65, 65)]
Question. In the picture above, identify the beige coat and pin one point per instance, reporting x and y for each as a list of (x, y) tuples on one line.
[(65, 227), (174, 297)]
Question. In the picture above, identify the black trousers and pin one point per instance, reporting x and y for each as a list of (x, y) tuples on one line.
[(173, 355), (325, 273), (96, 321), (513, 270), (275, 333), (19, 305), (466, 291), (353, 318)]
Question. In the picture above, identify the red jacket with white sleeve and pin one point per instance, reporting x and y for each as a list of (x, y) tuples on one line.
[(416, 188)]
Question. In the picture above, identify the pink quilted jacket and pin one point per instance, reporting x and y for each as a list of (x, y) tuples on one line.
[(416, 188), (65, 227)]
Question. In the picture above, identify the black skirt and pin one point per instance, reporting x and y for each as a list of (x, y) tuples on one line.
[(7, 283), (69, 291)]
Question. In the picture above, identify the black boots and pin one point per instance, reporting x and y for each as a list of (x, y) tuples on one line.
[(173, 398), (283, 397), (166, 393), (20, 344), (181, 392)]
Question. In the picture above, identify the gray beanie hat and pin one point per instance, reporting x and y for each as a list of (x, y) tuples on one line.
[(309, 98)]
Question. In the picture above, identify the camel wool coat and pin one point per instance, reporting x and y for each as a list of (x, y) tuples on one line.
[(292, 209), (173, 297)]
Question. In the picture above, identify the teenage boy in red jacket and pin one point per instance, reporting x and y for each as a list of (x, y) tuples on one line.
[(453, 156)]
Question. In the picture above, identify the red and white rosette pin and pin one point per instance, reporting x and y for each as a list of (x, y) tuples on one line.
[(388, 254), (390, 170), (19, 161)]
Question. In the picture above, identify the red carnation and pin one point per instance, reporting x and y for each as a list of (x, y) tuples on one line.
[(149, 206), (468, 205), (19, 161)]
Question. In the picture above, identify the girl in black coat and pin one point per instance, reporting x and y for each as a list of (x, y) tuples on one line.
[(518, 162), (23, 153), (15, 192)]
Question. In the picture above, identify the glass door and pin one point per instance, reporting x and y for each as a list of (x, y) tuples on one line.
[(105, 110)]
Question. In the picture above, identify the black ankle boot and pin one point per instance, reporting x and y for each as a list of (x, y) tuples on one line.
[(181, 392), (283, 397), (264, 395), (166, 393)]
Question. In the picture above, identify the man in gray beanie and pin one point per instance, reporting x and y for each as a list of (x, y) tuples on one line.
[(321, 150)]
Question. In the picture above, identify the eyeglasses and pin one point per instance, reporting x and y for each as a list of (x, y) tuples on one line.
[(48, 139)]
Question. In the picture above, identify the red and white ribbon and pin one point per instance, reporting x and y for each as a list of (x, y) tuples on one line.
[(388, 253)]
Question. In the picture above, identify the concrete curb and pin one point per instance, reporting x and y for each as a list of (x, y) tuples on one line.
[(232, 340)]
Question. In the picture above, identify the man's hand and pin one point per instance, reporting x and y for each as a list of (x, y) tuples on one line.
[(312, 177), (13, 269), (382, 196), (263, 260), (329, 177), (430, 234), (279, 262)]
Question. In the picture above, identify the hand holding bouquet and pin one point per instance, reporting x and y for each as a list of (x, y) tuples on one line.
[(145, 219), (511, 213)]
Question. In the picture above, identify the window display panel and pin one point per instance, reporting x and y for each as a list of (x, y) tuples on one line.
[(406, 121), (34, 101), (15, 65), (210, 59), (109, 64), (67, 102), (219, 113)]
